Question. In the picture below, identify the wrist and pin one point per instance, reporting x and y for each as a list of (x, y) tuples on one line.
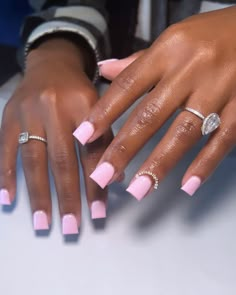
[(56, 50)]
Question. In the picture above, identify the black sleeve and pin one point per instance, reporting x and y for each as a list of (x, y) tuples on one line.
[(84, 22)]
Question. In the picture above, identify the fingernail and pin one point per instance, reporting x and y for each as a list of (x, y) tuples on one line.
[(192, 185), (98, 210), (69, 225), (103, 174), (5, 197), (140, 187), (40, 220), (84, 132), (102, 62)]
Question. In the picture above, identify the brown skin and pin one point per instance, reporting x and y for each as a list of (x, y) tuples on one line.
[(193, 63), (51, 101)]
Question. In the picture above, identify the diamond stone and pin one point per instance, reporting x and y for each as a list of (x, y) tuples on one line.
[(210, 123), (23, 137)]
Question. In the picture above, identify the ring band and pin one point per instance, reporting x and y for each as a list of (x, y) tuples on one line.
[(210, 123), (154, 177), (24, 137)]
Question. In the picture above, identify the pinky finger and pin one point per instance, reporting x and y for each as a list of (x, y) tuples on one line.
[(8, 152), (211, 155)]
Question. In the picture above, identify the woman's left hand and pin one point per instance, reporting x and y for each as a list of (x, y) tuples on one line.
[(191, 65)]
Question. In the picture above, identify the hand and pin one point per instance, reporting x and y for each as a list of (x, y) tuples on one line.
[(52, 99), (192, 64)]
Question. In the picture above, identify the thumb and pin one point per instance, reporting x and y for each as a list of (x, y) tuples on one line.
[(111, 68)]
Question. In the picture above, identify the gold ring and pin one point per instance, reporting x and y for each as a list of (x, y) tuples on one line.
[(154, 177)]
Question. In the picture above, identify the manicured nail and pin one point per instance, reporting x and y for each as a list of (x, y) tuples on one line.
[(140, 187), (98, 210), (69, 225), (103, 174), (84, 132), (192, 185), (5, 197), (106, 61), (40, 220)]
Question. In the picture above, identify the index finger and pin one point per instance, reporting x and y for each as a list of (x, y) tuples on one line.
[(129, 85)]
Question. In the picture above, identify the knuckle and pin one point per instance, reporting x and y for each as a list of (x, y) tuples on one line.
[(227, 135), (118, 151), (158, 163), (66, 196), (187, 128), (48, 97), (147, 115), (93, 157), (31, 157), (176, 34), (206, 52), (6, 173), (124, 82), (60, 160)]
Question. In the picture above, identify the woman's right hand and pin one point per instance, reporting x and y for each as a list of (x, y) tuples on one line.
[(53, 98)]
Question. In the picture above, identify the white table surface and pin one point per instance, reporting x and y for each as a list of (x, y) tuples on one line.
[(169, 244)]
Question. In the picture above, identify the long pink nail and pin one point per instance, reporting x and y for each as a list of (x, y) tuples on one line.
[(98, 210), (103, 174), (106, 61), (40, 220), (5, 197), (192, 185), (69, 225), (84, 132), (140, 187)]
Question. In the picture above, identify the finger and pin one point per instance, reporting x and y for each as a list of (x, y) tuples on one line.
[(181, 136), (64, 165), (215, 150), (111, 68), (90, 155), (134, 81), (142, 124), (35, 165), (8, 152)]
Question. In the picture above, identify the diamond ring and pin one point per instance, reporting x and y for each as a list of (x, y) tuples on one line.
[(210, 123), (24, 137)]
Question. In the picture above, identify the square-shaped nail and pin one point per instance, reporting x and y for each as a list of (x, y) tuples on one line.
[(103, 174), (40, 220), (140, 187), (84, 132), (98, 210), (69, 225), (5, 197), (192, 185)]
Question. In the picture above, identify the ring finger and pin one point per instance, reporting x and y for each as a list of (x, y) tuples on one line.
[(34, 158)]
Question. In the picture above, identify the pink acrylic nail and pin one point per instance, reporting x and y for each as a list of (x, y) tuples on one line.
[(106, 61), (5, 197), (103, 174), (40, 220), (69, 225), (140, 187), (84, 132), (98, 210), (192, 185)]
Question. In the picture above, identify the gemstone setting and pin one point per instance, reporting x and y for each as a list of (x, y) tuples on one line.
[(210, 123), (23, 137)]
